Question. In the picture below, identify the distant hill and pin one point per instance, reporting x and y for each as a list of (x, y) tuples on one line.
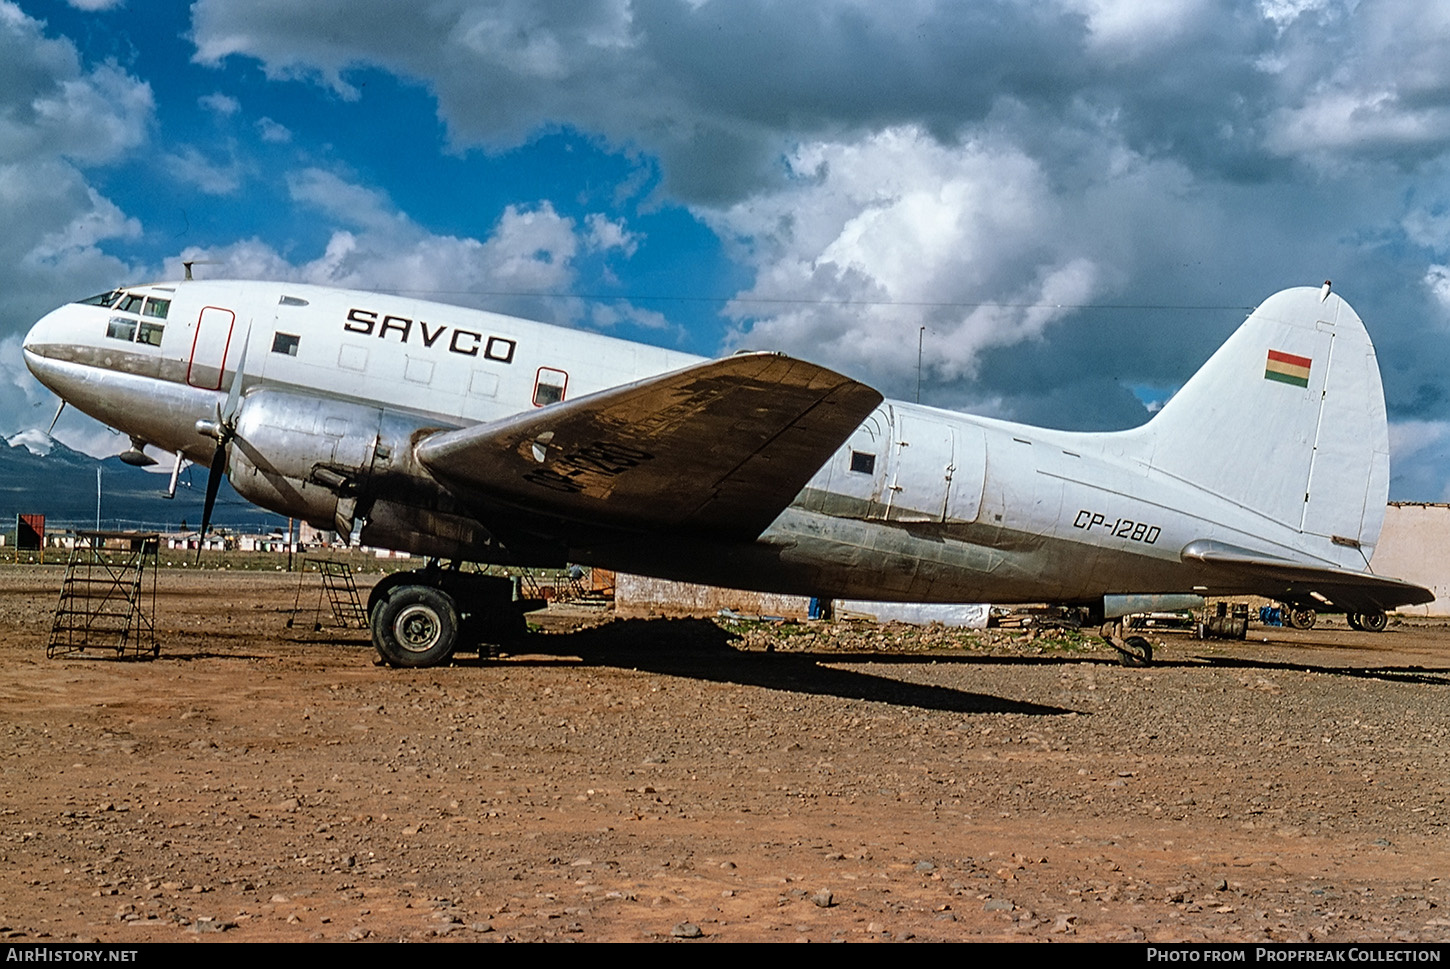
[(39, 475)]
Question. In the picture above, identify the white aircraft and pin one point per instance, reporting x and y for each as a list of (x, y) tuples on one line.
[(474, 437)]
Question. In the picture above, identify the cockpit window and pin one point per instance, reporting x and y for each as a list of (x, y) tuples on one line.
[(101, 299), (148, 329)]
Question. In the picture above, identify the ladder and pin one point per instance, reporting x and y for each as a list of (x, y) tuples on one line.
[(340, 591)]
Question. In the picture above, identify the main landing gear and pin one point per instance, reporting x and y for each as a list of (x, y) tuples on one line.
[(1373, 621), (1303, 617), (1299, 617), (415, 625), (421, 618)]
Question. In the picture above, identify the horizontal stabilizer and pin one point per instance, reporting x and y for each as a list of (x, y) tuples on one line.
[(719, 447), (1243, 571)]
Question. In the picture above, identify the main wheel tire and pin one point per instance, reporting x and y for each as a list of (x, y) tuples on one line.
[(415, 626), (1302, 617), (388, 583), (1353, 619), (1373, 622)]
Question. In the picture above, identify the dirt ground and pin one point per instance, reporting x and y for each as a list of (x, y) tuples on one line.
[(673, 779)]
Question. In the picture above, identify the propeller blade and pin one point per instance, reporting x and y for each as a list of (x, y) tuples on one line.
[(213, 483), (228, 415)]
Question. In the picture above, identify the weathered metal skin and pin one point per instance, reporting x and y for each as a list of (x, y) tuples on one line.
[(341, 464), (1268, 472), (161, 412)]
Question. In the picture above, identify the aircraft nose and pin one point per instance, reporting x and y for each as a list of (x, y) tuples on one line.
[(42, 332), (33, 338), (39, 344)]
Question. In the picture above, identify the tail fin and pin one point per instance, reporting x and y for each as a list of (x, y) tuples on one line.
[(1287, 419)]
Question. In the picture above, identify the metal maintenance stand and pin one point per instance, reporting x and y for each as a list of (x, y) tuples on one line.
[(105, 601), (341, 592)]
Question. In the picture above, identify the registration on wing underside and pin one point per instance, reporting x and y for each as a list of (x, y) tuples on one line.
[(721, 446)]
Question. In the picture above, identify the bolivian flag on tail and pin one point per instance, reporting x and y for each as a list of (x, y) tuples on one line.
[(1287, 368)]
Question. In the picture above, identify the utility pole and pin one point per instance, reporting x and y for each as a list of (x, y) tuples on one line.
[(920, 339)]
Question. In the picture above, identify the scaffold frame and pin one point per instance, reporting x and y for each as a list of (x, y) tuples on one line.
[(106, 602)]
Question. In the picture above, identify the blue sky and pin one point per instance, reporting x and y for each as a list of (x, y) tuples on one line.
[(1078, 199)]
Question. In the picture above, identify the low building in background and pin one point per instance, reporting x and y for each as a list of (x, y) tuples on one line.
[(637, 596), (1412, 547)]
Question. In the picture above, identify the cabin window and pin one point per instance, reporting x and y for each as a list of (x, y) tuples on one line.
[(150, 333), (121, 328), (549, 386), (157, 308), (285, 343), (863, 462), (292, 301)]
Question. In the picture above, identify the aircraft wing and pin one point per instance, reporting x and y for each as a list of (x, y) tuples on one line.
[(1286, 580), (720, 447)]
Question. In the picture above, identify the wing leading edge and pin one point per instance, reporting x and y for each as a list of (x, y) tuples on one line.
[(1245, 571), (720, 447)]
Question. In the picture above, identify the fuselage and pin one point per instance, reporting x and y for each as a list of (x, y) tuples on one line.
[(919, 504)]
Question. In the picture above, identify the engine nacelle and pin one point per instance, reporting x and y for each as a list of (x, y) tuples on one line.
[(338, 463), (282, 440)]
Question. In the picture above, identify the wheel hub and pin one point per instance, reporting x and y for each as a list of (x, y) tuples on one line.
[(417, 629)]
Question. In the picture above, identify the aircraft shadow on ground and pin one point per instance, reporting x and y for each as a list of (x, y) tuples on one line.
[(699, 649)]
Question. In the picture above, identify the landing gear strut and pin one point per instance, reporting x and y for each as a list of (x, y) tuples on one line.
[(1134, 651)]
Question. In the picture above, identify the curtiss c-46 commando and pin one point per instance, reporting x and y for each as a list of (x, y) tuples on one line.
[(469, 436)]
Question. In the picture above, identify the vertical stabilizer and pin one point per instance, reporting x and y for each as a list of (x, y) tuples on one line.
[(1287, 420)]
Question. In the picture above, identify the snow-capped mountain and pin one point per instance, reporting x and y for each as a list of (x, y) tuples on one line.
[(40, 475)]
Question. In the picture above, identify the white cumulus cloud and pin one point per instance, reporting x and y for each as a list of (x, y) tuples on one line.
[(873, 240), (524, 265)]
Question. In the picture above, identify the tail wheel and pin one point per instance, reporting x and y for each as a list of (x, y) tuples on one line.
[(415, 626), (1136, 651)]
